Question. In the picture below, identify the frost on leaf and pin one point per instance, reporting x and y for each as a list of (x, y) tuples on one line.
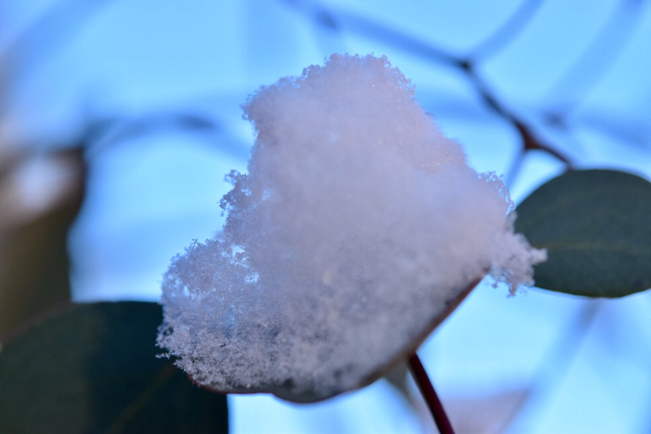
[(356, 227)]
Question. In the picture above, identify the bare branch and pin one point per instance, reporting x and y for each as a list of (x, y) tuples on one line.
[(507, 31), (379, 32), (597, 59)]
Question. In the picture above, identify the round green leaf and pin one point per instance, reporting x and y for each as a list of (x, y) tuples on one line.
[(595, 227), (94, 368)]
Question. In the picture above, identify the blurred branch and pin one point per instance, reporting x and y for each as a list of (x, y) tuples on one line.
[(44, 37), (486, 413), (529, 139), (514, 168), (104, 131), (34, 270), (596, 60), (361, 25), (625, 130), (556, 363), (369, 28), (39, 210), (507, 31)]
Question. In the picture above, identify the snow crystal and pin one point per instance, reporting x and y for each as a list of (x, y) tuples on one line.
[(357, 224)]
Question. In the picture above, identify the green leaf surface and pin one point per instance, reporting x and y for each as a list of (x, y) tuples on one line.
[(93, 369), (595, 225)]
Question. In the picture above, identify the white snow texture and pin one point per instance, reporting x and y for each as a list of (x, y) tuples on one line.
[(358, 222)]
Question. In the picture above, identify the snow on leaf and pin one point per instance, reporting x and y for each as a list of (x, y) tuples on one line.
[(357, 229)]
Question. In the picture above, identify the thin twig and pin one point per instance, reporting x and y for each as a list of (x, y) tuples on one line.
[(596, 60), (428, 392), (529, 140), (514, 170), (507, 32), (332, 18)]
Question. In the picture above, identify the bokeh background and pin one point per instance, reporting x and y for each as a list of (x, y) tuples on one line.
[(119, 120)]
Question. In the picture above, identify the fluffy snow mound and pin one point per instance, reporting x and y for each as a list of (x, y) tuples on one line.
[(357, 224)]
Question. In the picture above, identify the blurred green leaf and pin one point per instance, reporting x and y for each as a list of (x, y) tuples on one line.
[(595, 227), (93, 369)]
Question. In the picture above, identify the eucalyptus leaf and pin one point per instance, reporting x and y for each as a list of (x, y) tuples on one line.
[(93, 368), (595, 227)]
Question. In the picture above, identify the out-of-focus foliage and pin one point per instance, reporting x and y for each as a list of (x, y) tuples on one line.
[(93, 368), (595, 227)]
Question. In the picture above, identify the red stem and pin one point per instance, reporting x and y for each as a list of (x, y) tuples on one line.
[(432, 399)]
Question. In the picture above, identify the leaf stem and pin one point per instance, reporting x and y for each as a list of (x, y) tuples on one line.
[(428, 392)]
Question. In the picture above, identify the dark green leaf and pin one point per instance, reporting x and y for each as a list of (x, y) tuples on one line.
[(595, 227), (94, 369)]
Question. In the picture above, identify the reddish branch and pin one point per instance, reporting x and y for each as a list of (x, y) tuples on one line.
[(529, 139), (432, 399)]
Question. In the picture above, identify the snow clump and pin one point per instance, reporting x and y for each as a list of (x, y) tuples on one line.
[(357, 225)]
